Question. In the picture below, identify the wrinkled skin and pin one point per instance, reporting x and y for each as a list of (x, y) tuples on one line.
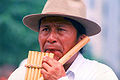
[(58, 36)]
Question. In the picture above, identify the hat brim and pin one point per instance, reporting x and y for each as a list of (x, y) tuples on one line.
[(32, 21)]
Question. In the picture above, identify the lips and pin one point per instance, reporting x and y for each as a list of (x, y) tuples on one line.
[(52, 47), (50, 50), (58, 53), (55, 48)]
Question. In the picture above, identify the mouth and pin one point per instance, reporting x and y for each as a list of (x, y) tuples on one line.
[(52, 50), (57, 53)]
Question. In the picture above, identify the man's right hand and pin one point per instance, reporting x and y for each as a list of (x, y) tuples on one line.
[(52, 69)]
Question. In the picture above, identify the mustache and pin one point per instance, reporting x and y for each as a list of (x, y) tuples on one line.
[(48, 46)]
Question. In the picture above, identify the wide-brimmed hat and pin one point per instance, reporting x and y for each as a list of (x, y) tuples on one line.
[(73, 9)]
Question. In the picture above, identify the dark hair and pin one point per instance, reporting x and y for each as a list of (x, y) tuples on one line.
[(80, 30), (79, 27)]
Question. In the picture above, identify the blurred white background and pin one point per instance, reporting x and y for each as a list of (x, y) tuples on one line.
[(106, 45)]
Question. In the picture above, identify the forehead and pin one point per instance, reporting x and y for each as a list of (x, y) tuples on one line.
[(55, 19)]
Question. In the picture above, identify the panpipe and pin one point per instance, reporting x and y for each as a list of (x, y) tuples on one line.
[(34, 62), (34, 65)]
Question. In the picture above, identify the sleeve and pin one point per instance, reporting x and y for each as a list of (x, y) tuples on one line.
[(64, 78), (18, 74), (106, 73)]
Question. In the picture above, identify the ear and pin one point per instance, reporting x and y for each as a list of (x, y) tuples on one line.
[(81, 37)]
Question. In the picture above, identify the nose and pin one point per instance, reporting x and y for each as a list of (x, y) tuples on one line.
[(52, 38)]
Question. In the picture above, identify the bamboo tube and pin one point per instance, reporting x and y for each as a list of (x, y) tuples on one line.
[(36, 70), (40, 64), (31, 69), (34, 63), (28, 62), (51, 55), (74, 50)]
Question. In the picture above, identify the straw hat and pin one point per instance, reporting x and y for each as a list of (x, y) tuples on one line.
[(73, 9)]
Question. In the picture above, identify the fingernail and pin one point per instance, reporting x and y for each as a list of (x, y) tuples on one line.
[(45, 58)]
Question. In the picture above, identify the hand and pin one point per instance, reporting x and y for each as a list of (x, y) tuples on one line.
[(52, 69)]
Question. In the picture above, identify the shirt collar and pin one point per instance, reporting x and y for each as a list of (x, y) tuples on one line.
[(78, 61)]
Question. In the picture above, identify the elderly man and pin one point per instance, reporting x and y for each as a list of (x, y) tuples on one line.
[(61, 26)]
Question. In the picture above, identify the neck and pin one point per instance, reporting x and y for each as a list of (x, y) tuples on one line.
[(69, 62)]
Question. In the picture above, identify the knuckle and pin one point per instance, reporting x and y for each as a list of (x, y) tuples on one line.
[(57, 68), (43, 63), (42, 71), (47, 76), (51, 71), (45, 58)]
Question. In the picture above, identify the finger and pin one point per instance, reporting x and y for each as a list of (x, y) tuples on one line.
[(45, 74), (43, 71), (50, 61), (41, 78), (46, 66)]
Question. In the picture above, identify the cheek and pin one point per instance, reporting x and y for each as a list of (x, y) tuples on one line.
[(41, 41), (68, 42), (68, 45)]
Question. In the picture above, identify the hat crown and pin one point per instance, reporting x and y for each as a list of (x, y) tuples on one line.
[(72, 9), (69, 7)]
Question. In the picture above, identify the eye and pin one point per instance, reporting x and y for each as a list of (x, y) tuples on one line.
[(61, 29), (45, 29)]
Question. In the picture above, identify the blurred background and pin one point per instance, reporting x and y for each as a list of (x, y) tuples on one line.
[(16, 39)]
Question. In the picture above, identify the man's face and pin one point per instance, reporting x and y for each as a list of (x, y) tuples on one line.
[(57, 36)]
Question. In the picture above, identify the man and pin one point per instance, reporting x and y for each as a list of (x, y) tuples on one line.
[(61, 26)]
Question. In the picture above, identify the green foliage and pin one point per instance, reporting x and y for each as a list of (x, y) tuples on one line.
[(15, 38)]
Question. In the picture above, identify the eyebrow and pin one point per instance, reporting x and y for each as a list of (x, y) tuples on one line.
[(44, 25)]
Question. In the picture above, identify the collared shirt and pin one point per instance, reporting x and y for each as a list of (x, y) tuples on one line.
[(81, 69), (85, 69)]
